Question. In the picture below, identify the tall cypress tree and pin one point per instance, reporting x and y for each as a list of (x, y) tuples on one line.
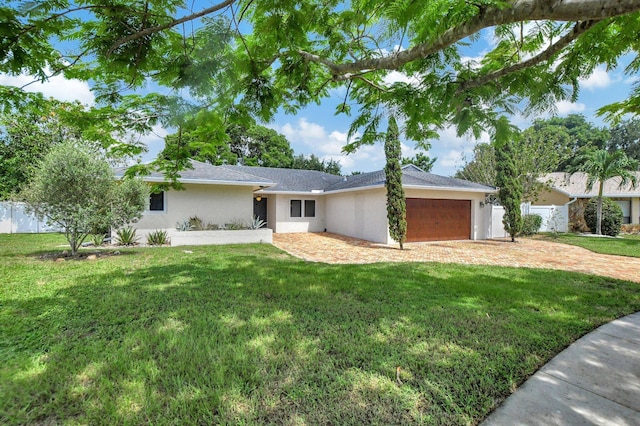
[(510, 187), (396, 204)]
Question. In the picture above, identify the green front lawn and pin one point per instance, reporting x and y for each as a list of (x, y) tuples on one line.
[(624, 245), (250, 335)]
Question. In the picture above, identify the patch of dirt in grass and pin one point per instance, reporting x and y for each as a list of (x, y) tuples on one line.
[(82, 256)]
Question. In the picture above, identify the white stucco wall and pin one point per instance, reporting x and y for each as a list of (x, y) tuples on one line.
[(478, 222), (216, 204), (359, 214), (279, 214)]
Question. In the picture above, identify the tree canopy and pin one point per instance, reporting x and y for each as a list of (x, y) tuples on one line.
[(74, 187), (27, 134), (536, 151), (240, 58), (625, 136)]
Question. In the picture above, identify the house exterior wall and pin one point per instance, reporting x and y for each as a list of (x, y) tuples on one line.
[(359, 214), (217, 204), (279, 214), (551, 197), (478, 222), (635, 210), (363, 214)]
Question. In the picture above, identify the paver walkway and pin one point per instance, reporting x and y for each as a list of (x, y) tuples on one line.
[(332, 248)]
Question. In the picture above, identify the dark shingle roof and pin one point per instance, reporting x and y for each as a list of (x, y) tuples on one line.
[(411, 176), (294, 180), (203, 172), (290, 180)]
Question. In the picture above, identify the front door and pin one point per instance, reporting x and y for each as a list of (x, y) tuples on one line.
[(260, 209)]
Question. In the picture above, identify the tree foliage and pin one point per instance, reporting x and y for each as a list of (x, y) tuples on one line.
[(536, 151), (75, 188), (421, 160), (600, 165), (508, 180), (481, 167), (396, 203), (575, 136), (241, 58), (253, 145), (312, 162), (28, 133), (625, 136)]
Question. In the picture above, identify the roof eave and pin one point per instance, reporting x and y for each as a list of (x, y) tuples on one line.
[(207, 181)]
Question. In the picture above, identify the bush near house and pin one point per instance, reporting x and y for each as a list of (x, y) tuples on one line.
[(531, 224), (611, 216)]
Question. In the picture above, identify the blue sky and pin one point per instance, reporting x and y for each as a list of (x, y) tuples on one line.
[(316, 130)]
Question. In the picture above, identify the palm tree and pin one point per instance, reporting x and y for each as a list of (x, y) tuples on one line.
[(600, 165)]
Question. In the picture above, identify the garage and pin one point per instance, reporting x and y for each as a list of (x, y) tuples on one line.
[(438, 220)]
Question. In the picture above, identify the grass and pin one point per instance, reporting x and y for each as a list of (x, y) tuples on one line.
[(625, 245), (249, 335)]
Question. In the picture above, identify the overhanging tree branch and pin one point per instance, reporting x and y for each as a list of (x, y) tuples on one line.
[(520, 10), (159, 28), (578, 29)]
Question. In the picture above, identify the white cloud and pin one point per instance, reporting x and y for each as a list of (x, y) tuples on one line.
[(598, 80), (57, 87), (453, 158), (451, 150), (397, 77), (566, 107), (309, 137)]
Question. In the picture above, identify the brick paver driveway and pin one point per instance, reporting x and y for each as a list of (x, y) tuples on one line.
[(331, 248)]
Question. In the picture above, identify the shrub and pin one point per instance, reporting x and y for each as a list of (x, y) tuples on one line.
[(75, 188), (126, 236), (256, 223), (531, 224), (235, 225), (97, 239), (183, 226), (157, 238), (196, 223), (611, 216)]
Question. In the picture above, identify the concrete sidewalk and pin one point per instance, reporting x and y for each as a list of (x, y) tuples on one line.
[(595, 381)]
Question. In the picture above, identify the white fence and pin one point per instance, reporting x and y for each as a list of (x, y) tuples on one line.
[(15, 220), (554, 219)]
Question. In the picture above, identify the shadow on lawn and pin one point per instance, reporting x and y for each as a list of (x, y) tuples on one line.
[(258, 338)]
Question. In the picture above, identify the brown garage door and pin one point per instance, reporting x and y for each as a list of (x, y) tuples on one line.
[(438, 220)]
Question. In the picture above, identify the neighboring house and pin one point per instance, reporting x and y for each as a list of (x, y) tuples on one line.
[(572, 190), (289, 200)]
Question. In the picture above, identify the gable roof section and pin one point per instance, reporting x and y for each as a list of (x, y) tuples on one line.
[(203, 173), (576, 185), (412, 177), (290, 180)]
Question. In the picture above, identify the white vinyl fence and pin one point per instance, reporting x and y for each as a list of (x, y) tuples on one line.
[(15, 220), (554, 219)]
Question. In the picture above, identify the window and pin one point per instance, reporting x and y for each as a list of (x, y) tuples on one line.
[(296, 208), (156, 202), (309, 208)]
